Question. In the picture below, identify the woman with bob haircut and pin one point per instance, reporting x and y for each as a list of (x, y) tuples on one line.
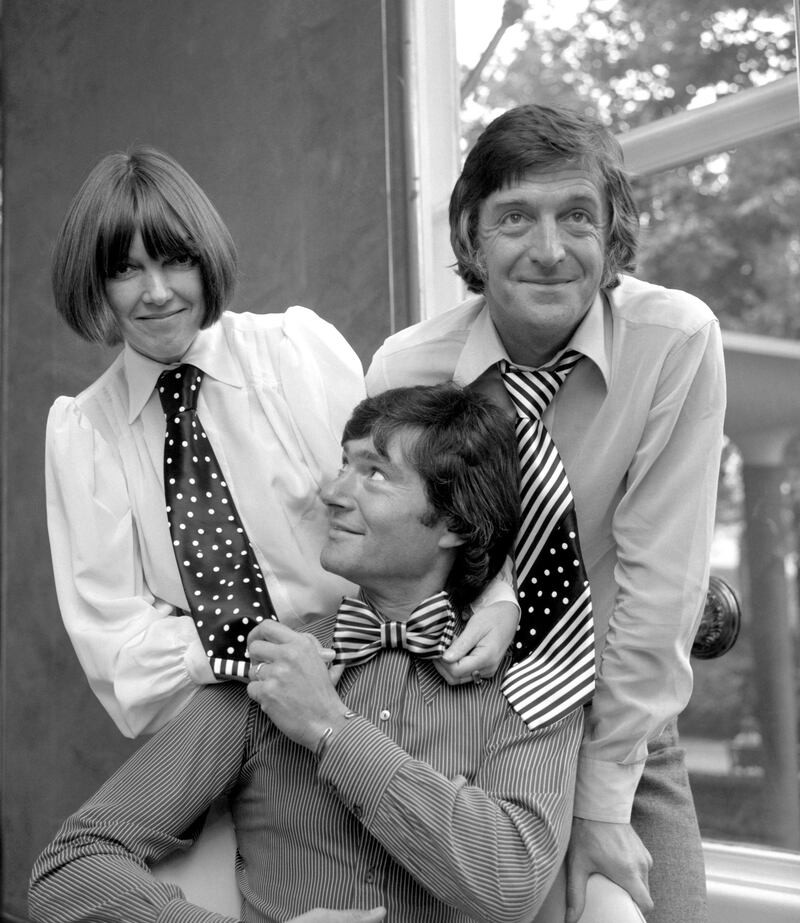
[(146, 191), (144, 260)]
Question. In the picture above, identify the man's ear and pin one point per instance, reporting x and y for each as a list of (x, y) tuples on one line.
[(450, 539)]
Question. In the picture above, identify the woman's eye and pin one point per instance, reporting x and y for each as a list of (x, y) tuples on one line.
[(120, 271), (182, 260), (375, 474), (513, 218)]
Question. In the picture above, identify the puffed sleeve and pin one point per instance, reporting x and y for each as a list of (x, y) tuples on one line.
[(142, 661), (322, 378)]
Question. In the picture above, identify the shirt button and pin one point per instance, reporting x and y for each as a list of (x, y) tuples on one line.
[(369, 877), (357, 810), (385, 714)]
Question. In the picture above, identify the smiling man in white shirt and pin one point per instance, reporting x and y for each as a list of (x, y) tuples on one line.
[(544, 229)]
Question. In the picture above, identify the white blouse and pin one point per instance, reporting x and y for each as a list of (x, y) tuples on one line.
[(277, 392)]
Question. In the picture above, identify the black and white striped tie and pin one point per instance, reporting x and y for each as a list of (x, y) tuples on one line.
[(553, 651)]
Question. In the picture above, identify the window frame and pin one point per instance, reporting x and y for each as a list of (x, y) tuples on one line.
[(696, 133)]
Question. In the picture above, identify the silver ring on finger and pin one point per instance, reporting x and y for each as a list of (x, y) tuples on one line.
[(258, 667), (476, 677)]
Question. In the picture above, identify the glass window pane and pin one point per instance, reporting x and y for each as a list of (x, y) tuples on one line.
[(727, 229)]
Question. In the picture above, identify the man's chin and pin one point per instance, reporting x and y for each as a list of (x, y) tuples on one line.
[(333, 563)]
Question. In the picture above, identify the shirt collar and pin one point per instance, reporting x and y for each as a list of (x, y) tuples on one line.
[(484, 349), (593, 336), (209, 352)]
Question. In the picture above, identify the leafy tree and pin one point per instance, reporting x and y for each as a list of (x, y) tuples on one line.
[(727, 228)]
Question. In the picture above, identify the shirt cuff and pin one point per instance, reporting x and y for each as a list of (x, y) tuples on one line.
[(604, 791), (197, 664), (498, 590), (358, 764)]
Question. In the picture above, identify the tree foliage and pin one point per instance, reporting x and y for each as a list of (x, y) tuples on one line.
[(727, 228)]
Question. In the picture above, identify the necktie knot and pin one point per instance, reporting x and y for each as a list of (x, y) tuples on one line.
[(531, 390), (360, 632), (394, 635), (178, 389)]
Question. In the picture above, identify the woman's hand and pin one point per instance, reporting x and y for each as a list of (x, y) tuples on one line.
[(479, 650)]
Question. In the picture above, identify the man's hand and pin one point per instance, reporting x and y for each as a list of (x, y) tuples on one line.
[(480, 648), (321, 915), (291, 683), (613, 850)]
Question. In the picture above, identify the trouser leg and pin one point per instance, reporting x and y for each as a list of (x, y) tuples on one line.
[(665, 819)]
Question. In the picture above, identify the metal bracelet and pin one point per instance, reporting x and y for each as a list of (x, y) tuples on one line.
[(322, 741)]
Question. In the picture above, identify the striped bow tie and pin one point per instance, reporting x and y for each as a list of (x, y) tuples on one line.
[(360, 633)]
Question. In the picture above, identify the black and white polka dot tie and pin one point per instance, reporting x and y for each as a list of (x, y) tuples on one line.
[(220, 574), (553, 651)]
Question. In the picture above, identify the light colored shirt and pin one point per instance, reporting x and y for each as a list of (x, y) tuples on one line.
[(638, 425), (277, 392), (436, 801)]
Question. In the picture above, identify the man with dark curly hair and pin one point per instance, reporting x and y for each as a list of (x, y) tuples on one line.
[(392, 789)]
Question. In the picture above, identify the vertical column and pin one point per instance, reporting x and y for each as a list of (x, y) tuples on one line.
[(767, 532)]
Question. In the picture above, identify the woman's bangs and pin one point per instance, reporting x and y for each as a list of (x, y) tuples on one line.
[(164, 234), (116, 231)]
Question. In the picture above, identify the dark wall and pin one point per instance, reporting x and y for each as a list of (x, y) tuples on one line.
[(289, 114)]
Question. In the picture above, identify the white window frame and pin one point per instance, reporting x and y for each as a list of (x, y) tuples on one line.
[(696, 133), (433, 131)]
